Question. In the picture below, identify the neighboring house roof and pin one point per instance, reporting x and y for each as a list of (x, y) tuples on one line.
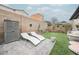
[(39, 14), (17, 11), (75, 15)]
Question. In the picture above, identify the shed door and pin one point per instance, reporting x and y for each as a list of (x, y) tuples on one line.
[(11, 31)]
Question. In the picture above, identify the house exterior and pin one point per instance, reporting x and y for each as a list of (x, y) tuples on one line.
[(75, 19), (26, 23)]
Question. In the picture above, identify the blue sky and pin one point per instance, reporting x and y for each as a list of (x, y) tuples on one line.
[(61, 11)]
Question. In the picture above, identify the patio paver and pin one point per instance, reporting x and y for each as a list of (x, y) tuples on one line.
[(23, 47)]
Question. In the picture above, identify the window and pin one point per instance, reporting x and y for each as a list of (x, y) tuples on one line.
[(30, 25)]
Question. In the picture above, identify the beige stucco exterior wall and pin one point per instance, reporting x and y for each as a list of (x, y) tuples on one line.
[(56, 28), (74, 22), (43, 26), (37, 17), (24, 22), (35, 25), (7, 15)]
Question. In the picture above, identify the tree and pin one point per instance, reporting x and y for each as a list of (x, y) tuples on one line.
[(54, 20), (67, 27), (48, 23), (63, 21)]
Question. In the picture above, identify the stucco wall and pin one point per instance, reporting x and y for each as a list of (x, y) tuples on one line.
[(43, 26), (7, 15), (37, 17), (74, 22), (35, 25), (24, 22), (58, 28)]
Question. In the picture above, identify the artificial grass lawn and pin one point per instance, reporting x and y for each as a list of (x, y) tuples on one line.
[(61, 46)]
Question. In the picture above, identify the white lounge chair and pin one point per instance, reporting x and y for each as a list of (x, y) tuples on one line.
[(73, 43), (34, 40), (74, 46), (73, 35), (22, 47), (40, 37)]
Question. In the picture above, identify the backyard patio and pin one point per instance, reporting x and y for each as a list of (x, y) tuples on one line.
[(61, 46)]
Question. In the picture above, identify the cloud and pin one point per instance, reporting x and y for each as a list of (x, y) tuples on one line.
[(29, 9), (57, 10), (60, 14), (34, 5), (60, 11), (6, 5), (53, 5), (43, 9), (56, 5)]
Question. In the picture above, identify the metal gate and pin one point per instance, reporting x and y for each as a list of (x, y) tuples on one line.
[(11, 31)]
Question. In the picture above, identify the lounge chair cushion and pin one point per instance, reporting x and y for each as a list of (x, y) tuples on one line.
[(73, 42), (73, 33), (34, 40), (40, 37)]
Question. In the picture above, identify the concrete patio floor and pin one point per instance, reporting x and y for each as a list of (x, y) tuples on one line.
[(23, 47)]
